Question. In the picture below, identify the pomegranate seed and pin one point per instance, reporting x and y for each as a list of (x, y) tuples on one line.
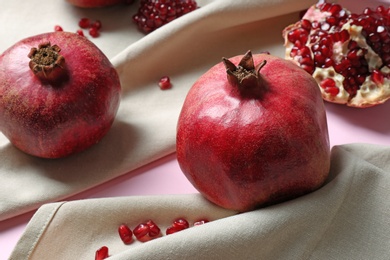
[(328, 83), (200, 222), (97, 24), (84, 23), (58, 28), (181, 222), (177, 225), (146, 231), (165, 83), (377, 77), (125, 234), (306, 24), (94, 32), (154, 230), (101, 253), (80, 32), (141, 230)]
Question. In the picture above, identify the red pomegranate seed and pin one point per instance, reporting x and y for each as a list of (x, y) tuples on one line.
[(125, 234), (94, 32), (84, 23), (97, 24), (80, 32), (154, 230), (165, 83), (328, 83), (181, 222), (200, 222), (178, 224), (332, 91), (58, 28), (141, 230), (146, 231), (101, 253), (377, 77)]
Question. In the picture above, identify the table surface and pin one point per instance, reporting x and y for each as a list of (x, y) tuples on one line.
[(346, 125)]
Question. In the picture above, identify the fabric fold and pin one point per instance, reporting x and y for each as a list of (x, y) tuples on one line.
[(348, 218), (145, 126)]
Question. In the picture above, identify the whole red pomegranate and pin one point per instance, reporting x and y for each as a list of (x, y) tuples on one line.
[(348, 54), (59, 94), (250, 136)]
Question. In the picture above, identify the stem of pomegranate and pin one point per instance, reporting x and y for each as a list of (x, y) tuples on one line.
[(246, 76)]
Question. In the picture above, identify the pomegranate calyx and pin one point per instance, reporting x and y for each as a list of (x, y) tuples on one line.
[(246, 76), (46, 62)]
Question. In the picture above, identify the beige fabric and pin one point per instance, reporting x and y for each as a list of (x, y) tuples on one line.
[(145, 127), (348, 218)]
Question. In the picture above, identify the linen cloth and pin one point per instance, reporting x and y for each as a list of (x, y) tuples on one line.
[(145, 126), (348, 218)]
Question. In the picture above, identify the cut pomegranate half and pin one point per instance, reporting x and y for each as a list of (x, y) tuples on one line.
[(348, 54)]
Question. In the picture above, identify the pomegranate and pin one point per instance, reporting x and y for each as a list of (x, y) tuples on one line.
[(348, 54), (95, 3), (253, 135), (153, 14), (59, 94)]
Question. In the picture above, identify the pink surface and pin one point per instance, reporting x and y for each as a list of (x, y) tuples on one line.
[(346, 125)]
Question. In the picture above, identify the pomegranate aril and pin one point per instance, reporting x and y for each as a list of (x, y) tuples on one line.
[(181, 222), (94, 32), (101, 253), (125, 234), (165, 83), (97, 24), (332, 91), (141, 230), (200, 222), (58, 28), (146, 231), (80, 32), (377, 77), (154, 230), (84, 23)]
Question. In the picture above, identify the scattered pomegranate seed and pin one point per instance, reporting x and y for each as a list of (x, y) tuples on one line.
[(165, 83), (125, 234), (80, 32), (102, 253), (146, 231), (200, 222), (97, 24), (177, 225), (94, 32), (84, 23), (58, 28)]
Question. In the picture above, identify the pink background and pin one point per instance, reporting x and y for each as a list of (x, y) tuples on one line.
[(346, 125)]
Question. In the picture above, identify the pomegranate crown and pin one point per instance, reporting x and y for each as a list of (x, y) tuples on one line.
[(246, 76), (46, 62)]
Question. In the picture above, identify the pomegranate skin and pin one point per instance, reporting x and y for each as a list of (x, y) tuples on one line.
[(95, 3), (247, 151), (58, 118)]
